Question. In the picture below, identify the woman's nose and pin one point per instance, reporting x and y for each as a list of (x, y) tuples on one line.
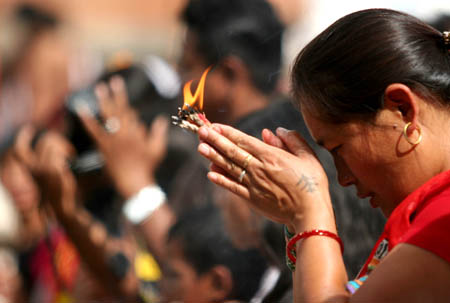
[(344, 174)]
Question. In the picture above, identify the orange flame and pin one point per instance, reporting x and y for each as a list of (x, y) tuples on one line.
[(195, 101)]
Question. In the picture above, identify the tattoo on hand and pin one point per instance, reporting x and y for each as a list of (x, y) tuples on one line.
[(307, 183)]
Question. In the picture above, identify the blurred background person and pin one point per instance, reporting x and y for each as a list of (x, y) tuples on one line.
[(34, 73), (42, 238), (39, 239), (89, 208), (202, 264)]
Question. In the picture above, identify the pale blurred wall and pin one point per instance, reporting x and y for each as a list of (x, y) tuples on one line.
[(139, 25), (144, 26), (319, 14)]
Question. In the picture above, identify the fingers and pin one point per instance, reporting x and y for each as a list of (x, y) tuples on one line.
[(221, 171), (229, 184), (119, 91), (113, 104), (232, 150), (218, 169), (241, 139), (219, 160), (294, 142), (94, 129), (270, 138), (112, 97), (105, 101)]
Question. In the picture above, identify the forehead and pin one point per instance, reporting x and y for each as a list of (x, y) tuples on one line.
[(325, 133)]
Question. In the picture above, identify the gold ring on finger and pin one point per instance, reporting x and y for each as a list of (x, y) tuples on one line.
[(232, 166), (242, 175), (247, 161)]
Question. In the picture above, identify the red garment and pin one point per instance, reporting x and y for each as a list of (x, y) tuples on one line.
[(54, 265), (422, 219)]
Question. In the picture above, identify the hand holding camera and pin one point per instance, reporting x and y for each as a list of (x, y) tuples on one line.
[(131, 152)]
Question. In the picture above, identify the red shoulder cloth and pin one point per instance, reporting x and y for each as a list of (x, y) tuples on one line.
[(422, 219)]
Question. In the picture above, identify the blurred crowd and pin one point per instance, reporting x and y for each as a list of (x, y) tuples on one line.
[(103, 200)]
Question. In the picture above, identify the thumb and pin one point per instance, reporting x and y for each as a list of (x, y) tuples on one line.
[(294, 142)]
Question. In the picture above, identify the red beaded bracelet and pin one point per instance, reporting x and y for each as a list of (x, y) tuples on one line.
[(306, 234)]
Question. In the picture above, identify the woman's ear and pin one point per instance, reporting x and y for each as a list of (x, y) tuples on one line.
[(400, 99)]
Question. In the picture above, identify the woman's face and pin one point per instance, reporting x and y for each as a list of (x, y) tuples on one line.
[(368, 155)]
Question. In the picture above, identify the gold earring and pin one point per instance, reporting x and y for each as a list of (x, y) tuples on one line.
[(405, 134)]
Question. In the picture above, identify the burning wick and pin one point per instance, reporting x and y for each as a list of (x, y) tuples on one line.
[(191, 115)]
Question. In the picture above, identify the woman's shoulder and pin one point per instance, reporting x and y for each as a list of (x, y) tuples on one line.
[(430, 227)]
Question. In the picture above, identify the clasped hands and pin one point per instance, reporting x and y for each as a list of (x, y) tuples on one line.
[(280, 177)]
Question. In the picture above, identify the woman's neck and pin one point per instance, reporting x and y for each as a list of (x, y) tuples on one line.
[(436, 139)]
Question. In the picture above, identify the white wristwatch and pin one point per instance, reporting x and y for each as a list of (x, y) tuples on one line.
[(142, 205)]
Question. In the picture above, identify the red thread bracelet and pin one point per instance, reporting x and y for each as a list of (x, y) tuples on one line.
[(306, 234)]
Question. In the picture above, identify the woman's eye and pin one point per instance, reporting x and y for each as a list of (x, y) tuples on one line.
[(335, 149)]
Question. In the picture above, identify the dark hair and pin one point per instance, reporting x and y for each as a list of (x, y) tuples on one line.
[(247, 29), (343, 73), (205, 244)]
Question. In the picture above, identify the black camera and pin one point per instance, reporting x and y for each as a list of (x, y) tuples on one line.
[(152, 87)]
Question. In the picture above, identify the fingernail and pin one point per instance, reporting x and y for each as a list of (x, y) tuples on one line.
[(212, 177), (203, 132), (281, 131), (267, 132), (203, 149)]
